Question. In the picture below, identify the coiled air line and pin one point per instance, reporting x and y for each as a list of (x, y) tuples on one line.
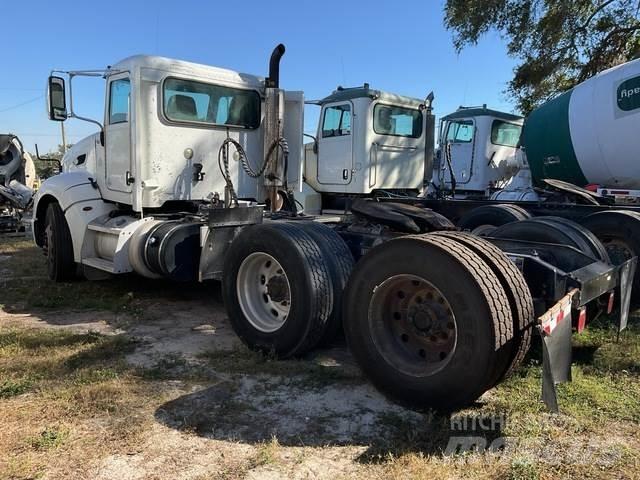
[(223, 163)]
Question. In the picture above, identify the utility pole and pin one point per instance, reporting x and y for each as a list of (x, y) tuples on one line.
[(64, 138)]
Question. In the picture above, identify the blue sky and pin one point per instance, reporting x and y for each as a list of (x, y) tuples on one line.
[(399, 46)]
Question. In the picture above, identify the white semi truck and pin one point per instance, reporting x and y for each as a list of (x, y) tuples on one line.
[(197, 173)]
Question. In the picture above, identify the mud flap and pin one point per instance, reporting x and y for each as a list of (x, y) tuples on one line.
[(625, 283), (555, 329)]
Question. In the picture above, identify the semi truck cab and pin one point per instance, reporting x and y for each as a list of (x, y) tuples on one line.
[(478, 149), (369, 140)]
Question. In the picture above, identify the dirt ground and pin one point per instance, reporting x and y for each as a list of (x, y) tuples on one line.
[(137, 379)]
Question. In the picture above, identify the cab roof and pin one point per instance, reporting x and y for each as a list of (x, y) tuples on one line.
[(342, 94), (188, 69), (466, 112)]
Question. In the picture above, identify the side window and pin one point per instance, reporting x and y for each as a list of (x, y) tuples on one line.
[(119, 101), (397, 121), (460, 131), (188, 101), (337, 121), (504, 133)]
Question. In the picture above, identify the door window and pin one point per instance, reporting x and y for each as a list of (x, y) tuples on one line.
[(120, 91), (460, 131), (337, 121)]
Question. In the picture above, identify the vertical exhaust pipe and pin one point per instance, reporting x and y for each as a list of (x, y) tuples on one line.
[(273, 177), (273, 80)]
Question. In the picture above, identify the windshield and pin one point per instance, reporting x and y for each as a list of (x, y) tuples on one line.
[(460, 131)]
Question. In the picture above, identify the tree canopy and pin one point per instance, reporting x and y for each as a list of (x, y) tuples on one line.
[(559, 43)]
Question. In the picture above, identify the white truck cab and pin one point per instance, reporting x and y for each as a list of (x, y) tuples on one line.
[(160, 150), (368, 140), (478, 147), (164, 121)]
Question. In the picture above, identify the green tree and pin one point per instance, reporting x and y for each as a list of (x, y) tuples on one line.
[(559, 43)]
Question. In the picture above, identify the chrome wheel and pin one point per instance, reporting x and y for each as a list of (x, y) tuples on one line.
[(263, 292), (412, 325)]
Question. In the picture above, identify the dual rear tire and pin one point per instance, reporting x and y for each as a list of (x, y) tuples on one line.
[(282, 286), (433, 320)]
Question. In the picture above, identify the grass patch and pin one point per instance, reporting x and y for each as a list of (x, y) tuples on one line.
[(11, 388), (523, 469), (25, 286), (605, 385), (82, 382), (268, 453), (50, 437)]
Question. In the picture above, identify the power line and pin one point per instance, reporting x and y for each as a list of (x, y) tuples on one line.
[(52, 134), (21, 104)]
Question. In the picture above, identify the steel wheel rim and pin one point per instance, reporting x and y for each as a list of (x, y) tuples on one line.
[(618, 250), (264, 292), (412, 325)]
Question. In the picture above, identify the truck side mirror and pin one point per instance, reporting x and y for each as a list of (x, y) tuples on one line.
[(56, 99)]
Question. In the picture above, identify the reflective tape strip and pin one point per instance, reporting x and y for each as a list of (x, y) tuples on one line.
[(560, 312)]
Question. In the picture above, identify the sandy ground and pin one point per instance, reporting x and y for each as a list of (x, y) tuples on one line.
[(208, 429)]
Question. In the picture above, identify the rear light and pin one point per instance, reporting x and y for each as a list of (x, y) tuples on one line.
[(610, 304), (582, 319), (592, 187)]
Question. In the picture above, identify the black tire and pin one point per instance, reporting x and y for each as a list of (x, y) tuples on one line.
[(583, 235), (517, 292), (340, 262), (541, 229), (59, 245), (308, 278), (479, 220), (468, 291), (619, 232)]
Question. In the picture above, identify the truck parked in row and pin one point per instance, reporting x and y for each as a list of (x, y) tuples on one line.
[(585, 137), (573, 157), (198, 173)]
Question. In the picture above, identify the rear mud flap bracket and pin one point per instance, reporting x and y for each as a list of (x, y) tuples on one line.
[(627, 272), (555, 329)]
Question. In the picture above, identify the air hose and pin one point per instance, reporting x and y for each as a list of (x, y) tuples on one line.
[(223, 162)]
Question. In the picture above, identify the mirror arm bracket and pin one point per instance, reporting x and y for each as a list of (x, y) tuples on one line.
[(48, 159), (73, 114)]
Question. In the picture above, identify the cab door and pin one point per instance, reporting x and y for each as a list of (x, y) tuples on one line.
[(117, 134), (460, 137), (335, 145)]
